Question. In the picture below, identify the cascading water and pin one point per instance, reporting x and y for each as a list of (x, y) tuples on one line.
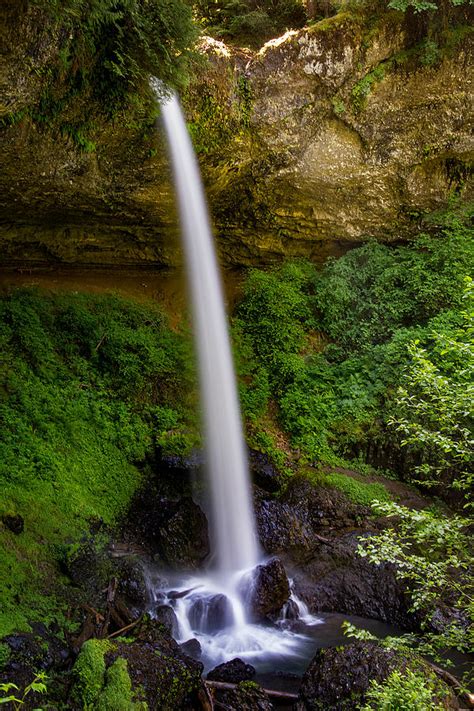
[(211, 607), (233, 526)]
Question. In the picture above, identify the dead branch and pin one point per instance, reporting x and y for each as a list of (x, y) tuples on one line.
[(227, 686)]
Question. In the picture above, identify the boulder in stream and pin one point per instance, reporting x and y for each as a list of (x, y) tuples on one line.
[(269, 590), (234, 672)]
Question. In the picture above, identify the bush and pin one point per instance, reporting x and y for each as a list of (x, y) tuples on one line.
[(330, 346), (90, 386), (249, 22), (404, 691)]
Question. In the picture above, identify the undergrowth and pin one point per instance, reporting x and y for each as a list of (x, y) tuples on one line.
[(328, 347), (89, 387)]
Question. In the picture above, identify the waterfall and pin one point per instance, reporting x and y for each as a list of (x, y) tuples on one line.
[(233, 536), (210, 607)]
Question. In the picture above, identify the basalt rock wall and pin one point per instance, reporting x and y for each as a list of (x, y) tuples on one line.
[(353, 127)]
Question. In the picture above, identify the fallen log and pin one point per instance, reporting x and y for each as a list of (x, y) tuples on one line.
[(117, 633), (227, 686), (454, 683)]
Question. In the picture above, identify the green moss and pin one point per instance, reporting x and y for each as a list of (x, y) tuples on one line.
[(362, 89), (4, 654), (345, 19), (359, 492), (338, 105), (89, 386), (117, 694), (89, 672)]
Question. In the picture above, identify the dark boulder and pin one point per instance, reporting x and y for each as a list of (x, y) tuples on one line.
[(234, 672), (192, 648), (315, 529), (263, 472), (167, 617), (184, 540), (339, 580), (268, 591), (338, 677), (27, 653), (247, 696), (210, 613), (132, 583)]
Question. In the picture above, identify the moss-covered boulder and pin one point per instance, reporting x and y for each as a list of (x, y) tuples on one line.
[(146, 672), (339, 678)]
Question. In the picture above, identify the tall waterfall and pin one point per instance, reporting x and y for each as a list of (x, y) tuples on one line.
[(233, 535)]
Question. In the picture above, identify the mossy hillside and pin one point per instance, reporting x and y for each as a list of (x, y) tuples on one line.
[(326, 349), (90, 386)]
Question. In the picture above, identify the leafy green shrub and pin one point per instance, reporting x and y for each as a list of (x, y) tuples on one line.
[(433, 409), (114, 46), (88, 388), (404, 691), (330, 346), (250, 22), (101, 54), (37, 686), (432, 554)]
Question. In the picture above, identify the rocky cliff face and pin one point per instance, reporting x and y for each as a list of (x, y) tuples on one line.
[(347, 129)]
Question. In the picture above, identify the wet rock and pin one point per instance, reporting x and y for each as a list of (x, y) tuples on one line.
[(160, 673), (337, 579), (90, 568), (192, 648), (290, 611), (234, 672), (294, 180), (165, 521), (30, 653), (338, 677), (14, 523), (167, 617), (184, 540), (132, 584), (247, 696), (315, 529), (263, 472), (269, 590), (210, 613)]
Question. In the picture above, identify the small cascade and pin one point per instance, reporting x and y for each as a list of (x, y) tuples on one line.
[(219, 622)]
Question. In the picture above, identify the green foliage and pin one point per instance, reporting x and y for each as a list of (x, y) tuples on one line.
[(363, 88), (329, 346), (360, 492), (104, 52), (250, 22), (433, 557), (420, 5), (434, 405), (37, 686), (88, 387), (404, 691)]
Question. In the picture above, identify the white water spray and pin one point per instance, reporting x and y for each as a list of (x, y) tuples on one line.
[(232, 525)]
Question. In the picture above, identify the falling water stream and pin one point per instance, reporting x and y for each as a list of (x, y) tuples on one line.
[(211, 607)]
